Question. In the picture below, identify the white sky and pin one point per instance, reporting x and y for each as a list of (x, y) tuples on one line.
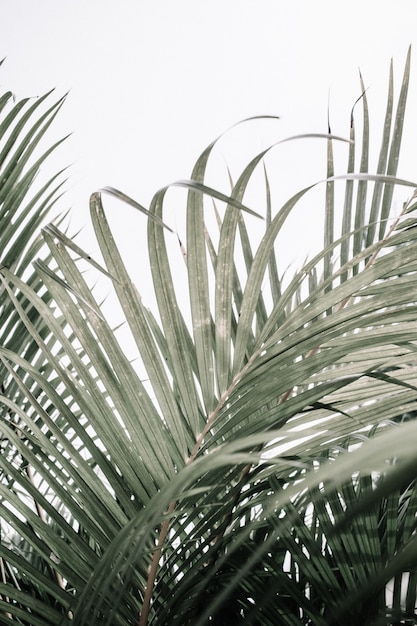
[(152, 82)]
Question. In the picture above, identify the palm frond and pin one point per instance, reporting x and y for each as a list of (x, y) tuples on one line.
[(251, 465)]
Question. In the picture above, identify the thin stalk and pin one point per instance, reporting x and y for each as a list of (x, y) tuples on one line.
[(143, 619)]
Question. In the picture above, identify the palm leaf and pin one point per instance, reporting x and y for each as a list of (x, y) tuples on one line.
[(249, 466)]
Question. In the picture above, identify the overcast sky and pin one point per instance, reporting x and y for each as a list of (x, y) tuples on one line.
[(152, 82)]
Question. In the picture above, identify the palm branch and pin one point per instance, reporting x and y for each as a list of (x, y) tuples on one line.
[(251, 465)]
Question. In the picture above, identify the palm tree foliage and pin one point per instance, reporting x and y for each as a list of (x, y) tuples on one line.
[(252, 464)]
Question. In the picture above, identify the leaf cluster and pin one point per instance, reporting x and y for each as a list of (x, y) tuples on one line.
[(254, 464)]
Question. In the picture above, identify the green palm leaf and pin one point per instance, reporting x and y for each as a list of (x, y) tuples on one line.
[(251, 464)]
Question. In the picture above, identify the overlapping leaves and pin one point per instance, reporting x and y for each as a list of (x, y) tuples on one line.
[(219, 480)]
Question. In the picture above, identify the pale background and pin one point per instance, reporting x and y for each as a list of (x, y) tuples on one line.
[(152, 82)]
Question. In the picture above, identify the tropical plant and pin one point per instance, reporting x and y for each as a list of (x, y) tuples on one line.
[(251, 465), (25, 201)]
